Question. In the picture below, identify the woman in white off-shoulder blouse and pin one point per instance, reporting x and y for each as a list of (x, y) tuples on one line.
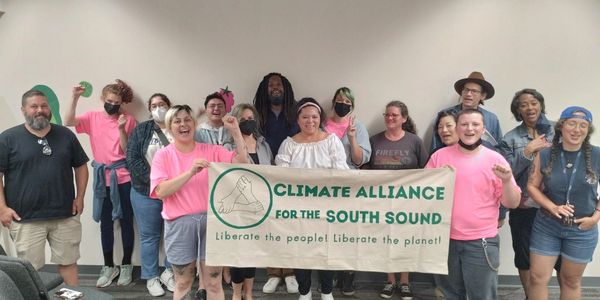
[(312, 148)]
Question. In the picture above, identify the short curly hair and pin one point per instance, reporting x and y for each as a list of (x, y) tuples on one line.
[(121, 89)]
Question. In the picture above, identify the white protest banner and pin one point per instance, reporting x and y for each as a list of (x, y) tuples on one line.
[(368, 220)]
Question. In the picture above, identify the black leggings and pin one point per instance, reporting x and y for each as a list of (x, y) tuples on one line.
[(106, 226), (239, 274), (304, 280)]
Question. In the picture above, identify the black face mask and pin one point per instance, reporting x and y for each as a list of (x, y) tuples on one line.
[(342, 109), (247, 127), (470, 147), (276, 100), (111, 109)]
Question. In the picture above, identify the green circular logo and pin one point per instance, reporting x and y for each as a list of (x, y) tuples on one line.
[(241, 198)]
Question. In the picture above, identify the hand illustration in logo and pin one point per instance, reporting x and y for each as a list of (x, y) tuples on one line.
[(241, 198)]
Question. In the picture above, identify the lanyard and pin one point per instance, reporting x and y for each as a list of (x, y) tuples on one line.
[(572, 176)]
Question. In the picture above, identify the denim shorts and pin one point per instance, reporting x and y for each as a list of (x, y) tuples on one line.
[(551, 238), (185, 239)]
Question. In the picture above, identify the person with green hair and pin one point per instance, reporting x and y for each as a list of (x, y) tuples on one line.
[(355, 138), (353, 133)]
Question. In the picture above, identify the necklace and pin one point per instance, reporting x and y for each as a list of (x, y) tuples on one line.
[(569, 164), (569, 159)]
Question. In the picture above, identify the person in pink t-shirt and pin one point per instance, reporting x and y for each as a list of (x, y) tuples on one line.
[(353, 133), (484, 180), (179, 177), (108, 130)]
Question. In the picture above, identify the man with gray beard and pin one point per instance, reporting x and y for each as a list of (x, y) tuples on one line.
[(39, 162)]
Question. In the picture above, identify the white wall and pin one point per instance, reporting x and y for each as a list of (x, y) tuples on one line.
[(408, 50)]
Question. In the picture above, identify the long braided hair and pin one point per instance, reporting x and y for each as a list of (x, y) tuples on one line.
[(591, 176), (263, 105)]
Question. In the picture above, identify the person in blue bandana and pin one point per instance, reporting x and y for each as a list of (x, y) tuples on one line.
[(564, 182)]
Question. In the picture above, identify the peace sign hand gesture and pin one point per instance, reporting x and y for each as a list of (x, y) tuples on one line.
[(351, 130)]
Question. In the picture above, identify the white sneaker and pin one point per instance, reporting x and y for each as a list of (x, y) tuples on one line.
[(126, 275), (327, 296), (107, 275), (154, 287), (168, 279), (271, 285), (306, 297), (291, 284)]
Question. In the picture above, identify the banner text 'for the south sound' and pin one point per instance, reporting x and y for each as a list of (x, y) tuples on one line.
[(368, 220)]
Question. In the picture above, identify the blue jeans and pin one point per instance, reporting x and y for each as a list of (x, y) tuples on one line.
[(472, 270), (150, 222)]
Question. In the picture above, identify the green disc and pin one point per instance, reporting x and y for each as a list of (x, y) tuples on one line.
[(88, 88)]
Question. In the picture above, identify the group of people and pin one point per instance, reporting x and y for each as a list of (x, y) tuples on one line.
[(545, 173)]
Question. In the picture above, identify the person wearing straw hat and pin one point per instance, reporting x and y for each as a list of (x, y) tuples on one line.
[(473, 90)]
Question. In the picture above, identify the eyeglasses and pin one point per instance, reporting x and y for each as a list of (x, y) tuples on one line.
[(213, 106), (393, 116), (474, 92), (46, 150), (572, 124)]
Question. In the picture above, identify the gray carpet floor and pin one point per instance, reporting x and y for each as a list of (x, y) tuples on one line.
[(365, 290)]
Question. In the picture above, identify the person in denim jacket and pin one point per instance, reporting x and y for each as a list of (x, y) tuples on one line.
[(519, 146), (145, 140)]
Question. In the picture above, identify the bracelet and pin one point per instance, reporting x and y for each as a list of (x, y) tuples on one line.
[(597, 209), (531, 157)]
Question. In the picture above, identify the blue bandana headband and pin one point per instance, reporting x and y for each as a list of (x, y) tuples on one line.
[(570, 113)]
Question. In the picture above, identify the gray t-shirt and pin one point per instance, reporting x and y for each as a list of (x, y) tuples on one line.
[(405, 153)]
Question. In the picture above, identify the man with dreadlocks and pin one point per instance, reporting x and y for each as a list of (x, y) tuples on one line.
[(275, 104), (564, 182)]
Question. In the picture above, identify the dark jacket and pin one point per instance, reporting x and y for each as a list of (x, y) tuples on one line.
[(137, 145)]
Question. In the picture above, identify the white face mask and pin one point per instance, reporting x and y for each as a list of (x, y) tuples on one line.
[(158, 114)]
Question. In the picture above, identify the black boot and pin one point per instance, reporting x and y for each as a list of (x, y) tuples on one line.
[(200, 294), (348, 283)]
